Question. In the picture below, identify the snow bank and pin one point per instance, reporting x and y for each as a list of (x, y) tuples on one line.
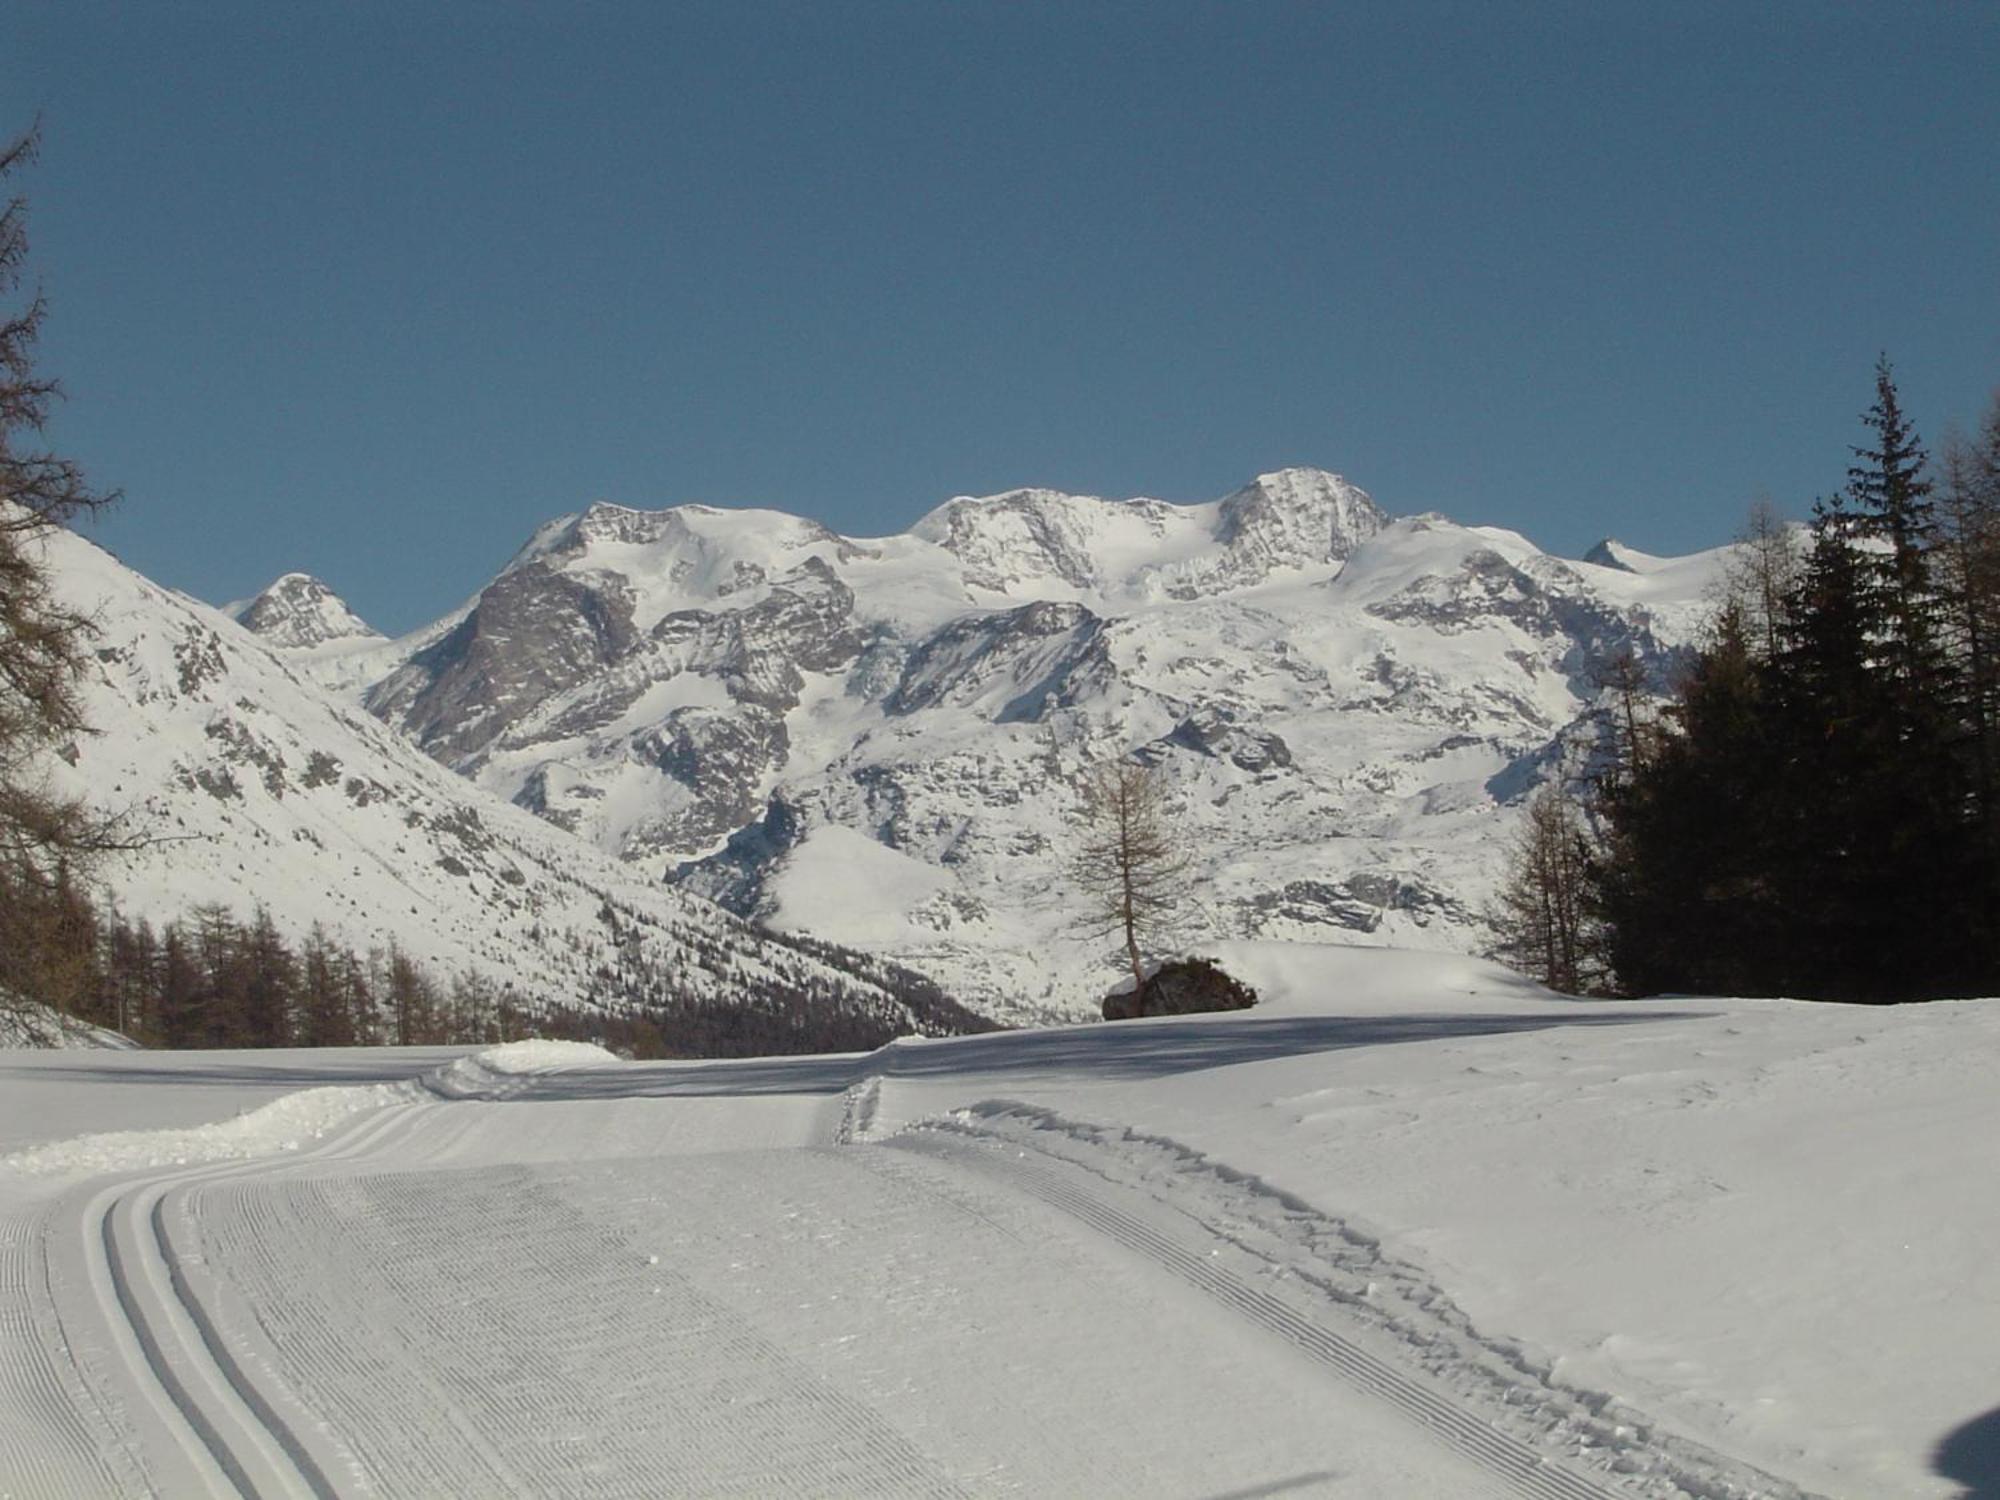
[(1767, 1223), (294, 1120), (500, 1072), (1347, 979), (284, 1124)]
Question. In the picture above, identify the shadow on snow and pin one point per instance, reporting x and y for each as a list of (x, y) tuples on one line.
[(1971, 1455), (1119, 1052)]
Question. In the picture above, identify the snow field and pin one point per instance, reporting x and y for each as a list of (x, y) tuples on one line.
[(1411, 1227)]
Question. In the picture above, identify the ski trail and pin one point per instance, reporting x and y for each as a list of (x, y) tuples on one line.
[(617, 1377), (47, 1446), (124, 1330), (1524, 1471), (139, 1369)]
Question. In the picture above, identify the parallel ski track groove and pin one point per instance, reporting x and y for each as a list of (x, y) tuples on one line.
[(1528, 1473), (120, 1234), (33, 1392), (162, 1367), (462, 1391)]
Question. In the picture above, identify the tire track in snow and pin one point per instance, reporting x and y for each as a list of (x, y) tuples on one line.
[(1520, 1467)]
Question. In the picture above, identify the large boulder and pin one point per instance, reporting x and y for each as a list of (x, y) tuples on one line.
[(1179, 987)]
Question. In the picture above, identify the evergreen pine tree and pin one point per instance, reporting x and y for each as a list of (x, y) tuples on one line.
[(1889, 504)]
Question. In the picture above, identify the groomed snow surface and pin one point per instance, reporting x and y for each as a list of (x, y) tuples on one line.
[(1411, 1227)]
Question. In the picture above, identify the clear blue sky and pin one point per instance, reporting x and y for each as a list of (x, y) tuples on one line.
[(372, 290)]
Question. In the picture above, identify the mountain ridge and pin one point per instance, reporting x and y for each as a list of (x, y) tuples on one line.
[(1350, 707)]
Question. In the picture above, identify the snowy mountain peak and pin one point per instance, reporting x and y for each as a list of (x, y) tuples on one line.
[(1026, 540), (1298, 518), (1351, 706), (692, 551), (272, 793), (1611, 553), (298, 612)]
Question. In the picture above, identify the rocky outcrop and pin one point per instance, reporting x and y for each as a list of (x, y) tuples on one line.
[(1179, 987), (534, 633), (1019, 664)]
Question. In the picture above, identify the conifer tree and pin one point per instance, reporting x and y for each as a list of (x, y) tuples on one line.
[(1968, 570), (1889, 503), (270, 985), (1684, 879), (1808, 824)]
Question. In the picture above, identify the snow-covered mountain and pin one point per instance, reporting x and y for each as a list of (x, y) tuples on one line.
[(300, 612), (256, 786), (878, 740)]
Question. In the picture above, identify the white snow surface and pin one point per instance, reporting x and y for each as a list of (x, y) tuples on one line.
[(1410, 1227), (293, 1120)]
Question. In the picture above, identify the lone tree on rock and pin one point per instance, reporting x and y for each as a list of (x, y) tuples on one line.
[(1128, 868)]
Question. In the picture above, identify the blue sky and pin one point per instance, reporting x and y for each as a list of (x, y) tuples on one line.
[(373, 290)]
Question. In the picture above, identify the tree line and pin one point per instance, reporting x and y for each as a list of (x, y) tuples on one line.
[(1814, 810), (214, 980)]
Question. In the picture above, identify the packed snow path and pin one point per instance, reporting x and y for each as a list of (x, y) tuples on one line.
[(523, 1276)]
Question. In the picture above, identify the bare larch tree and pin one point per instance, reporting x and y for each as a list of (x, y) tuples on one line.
[(1129, 868), (45, 837), (1543, 914)]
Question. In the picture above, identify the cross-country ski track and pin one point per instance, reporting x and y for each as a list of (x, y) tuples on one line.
[(771, 1278)]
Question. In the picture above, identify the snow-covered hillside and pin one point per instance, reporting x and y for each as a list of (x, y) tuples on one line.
[(253, 786), (1351, 708)]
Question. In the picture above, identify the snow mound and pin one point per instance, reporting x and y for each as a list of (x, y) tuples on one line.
[(285, 1124), (503, 1071)]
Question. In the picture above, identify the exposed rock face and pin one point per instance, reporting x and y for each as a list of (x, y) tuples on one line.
[(1040, 657), (1350, 709), (534, 633), (1213, 731), (1543, 596), (1180, 987), (1292, 519), (298, 612)]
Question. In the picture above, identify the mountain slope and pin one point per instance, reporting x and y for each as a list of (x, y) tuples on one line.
[(1350, 707), (255, 787)]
